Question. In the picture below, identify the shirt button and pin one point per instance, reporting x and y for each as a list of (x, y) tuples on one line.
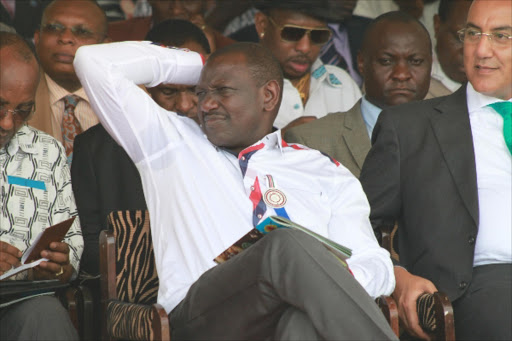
[(259, 216), (243, 158), (462, 285), (252, 188), (471, 240)]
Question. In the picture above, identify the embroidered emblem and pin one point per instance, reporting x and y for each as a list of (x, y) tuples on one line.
[(319, 72), (274, 198), (334, 80), (296, 106)]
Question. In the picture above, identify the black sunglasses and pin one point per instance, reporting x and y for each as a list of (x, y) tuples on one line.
[(294, 33)]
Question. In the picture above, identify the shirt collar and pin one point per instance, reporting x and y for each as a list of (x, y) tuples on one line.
[(320, 74), (23, 139), (370, 114), (57, 93), (438, 73), (270, 141), (477, 100)]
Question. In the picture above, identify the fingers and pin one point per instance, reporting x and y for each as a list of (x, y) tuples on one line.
[(58, 253), (9, 257)]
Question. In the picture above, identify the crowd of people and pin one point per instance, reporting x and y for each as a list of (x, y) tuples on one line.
[(343, 116)]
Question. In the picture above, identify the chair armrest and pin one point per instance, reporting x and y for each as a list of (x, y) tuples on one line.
[(435, 314), (108, 277), (387, 305), (77, 299), (130, 321)]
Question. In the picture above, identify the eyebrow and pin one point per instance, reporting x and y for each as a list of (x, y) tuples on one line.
[(499, 28)]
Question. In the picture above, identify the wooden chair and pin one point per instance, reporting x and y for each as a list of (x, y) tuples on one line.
[(77, 299), (129, 282), (435, 311)]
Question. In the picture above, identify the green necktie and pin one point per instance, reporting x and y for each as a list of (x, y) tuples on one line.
[(505, 110)]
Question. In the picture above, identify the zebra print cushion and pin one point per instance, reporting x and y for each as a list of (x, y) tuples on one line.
[(426, 312), (137, 280), (129, 321)]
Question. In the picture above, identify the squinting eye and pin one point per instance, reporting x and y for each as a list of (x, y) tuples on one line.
[(416, 62), (82, 32), (500, 36), (385, 61), (169, 92), (52, 28)]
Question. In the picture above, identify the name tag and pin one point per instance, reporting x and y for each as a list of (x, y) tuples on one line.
[(14, 180)]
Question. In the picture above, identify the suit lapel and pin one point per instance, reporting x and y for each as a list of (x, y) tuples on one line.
[(453, 132), (355, 135)]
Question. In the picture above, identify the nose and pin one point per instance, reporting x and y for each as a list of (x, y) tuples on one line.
[(207, 102), (7, 122), (177, 10), (401, 71), (186, 103), (66, 36), (484, 47), (304, 44)]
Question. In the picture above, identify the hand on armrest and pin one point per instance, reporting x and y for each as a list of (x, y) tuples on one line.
[(407, 290)]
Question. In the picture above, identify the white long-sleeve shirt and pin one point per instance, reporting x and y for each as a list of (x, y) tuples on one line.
[(199, 196)]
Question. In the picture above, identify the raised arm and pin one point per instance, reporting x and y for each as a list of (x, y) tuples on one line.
[(110, 74)]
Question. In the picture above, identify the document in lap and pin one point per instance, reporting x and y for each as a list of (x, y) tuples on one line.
[(32, 256), (275, 222)]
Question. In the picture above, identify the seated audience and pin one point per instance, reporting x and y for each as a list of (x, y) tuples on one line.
[(192, 10), (23, 16), (295, 34), (442, 169), (104, 177), (35, 193), (63, 109), (395, 61), (205, 189), (448, 67)]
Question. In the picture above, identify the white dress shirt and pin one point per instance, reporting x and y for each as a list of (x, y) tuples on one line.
[(331, 90), (494, 180), (198, 195), (35, 185)]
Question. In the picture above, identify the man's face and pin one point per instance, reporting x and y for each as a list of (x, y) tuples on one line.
[(396, 64), (176, 9), (489, 65), (449, 47), (297, 57), (181, 99), (230, 103), (65, 27), (18, 84)]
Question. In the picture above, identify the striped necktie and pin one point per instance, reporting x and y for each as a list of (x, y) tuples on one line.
[(505, 110), (70, 125), (329, 55)]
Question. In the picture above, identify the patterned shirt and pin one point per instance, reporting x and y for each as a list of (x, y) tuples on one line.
[(35, 192)]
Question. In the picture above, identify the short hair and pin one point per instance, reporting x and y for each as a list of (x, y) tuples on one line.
[(22, 47), (177, 32), (445, 7), (104, 18), (262, 64), (393, 16)]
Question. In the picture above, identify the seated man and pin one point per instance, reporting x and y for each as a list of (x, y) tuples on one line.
[(104, 177), (395, 61), (295, 33), (35, 193), (448, 66), (208, 186), (442, 169)]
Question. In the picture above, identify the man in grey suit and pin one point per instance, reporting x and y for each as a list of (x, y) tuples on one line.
[(395, 61), (442, 169)]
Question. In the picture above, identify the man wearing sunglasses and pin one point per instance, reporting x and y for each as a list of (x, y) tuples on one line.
[(295, 32), (63, 109), (442, 169)]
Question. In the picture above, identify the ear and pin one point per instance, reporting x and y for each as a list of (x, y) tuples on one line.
[(260, 22), (36, 37), (360, 63), (271, 92), (437, 24)]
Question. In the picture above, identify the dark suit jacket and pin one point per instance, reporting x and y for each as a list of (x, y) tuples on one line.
[(341, 135), (104, 179), (421, 172), (27, 16)]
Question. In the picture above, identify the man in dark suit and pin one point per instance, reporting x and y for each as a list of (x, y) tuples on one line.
[(442, 169), (104, 177), (391, 42)]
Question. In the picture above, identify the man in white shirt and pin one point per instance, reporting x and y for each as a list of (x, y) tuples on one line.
[(442, 169), (205, 188), (35, 192), (295, 33)]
